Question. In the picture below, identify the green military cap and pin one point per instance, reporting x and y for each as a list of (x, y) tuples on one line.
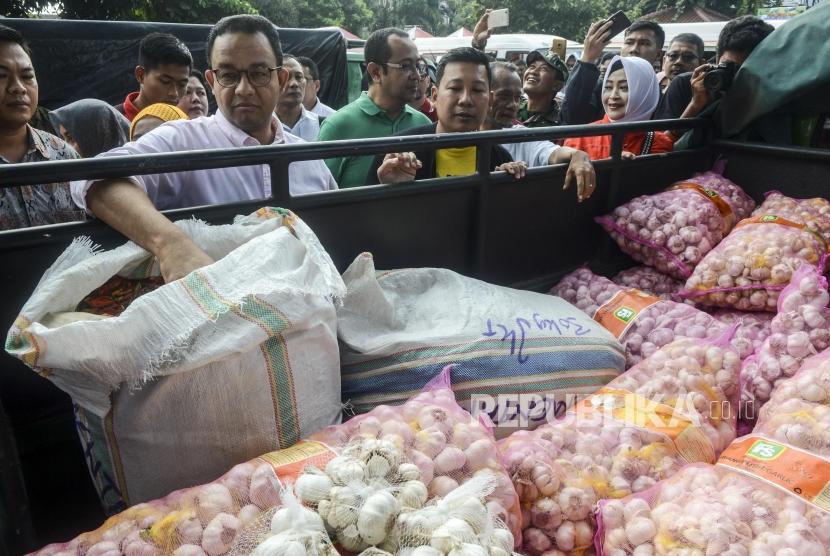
[(552, 59)]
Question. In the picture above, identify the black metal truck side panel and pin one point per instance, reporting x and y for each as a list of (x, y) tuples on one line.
[(526, 234)]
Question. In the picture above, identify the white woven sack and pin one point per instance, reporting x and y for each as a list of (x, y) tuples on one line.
[(234, 360), (520, 356)]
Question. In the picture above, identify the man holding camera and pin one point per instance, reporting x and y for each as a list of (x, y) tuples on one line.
[(688, 94)]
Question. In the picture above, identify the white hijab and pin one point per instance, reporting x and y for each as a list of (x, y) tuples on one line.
[(643, 88)]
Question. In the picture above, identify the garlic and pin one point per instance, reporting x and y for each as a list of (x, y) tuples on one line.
[(412, 494), (565, 536), (451, 534), (213, 499), (220, 533), (434, 417), (424, 551), (343, 470), (105, 548), (350, 539), (425, 466), (672, 230), (374, 551), (469, 549), (430, 441), (479, 454), (297, 518), (246, 515), (408, 472), (441, 486), (376, 515), (278, 545), (264, 489), (182, 550), (450, 459), (640, 530), (313, 487)]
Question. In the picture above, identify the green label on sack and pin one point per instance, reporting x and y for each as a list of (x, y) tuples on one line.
[(625, 314), (765, 451)]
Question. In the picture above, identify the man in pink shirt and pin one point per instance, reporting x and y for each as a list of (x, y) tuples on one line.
[(246, 77)]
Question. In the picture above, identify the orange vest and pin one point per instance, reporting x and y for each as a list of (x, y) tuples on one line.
[(599, 146)]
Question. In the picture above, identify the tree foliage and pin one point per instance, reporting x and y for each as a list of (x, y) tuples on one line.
[(567, 18), (188, 11)]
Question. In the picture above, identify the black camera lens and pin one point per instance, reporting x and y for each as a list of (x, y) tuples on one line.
[(720, 78), (714, 81)]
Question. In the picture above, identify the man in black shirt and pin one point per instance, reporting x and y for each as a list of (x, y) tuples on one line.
[(462, 97), (686, 96), (684, 54), (583, 102)]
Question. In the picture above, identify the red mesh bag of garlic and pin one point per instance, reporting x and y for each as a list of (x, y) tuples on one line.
[(352, 484), (767, 495), (673, 230), (799, 330), (750, 267), (667, 411), (643, 323), (650, 281)]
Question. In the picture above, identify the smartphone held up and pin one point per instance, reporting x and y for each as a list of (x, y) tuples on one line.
[(619, 23), (498, 18)]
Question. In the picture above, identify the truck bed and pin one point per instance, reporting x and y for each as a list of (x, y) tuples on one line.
[(524, 234)]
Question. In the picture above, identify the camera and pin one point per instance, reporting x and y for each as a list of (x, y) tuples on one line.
[(720, 77)]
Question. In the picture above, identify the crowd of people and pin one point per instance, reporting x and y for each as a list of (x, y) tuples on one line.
[(265, 97)]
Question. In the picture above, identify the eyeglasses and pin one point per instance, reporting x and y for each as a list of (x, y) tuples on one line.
[(256, 77), (406, 67), (685, 56)]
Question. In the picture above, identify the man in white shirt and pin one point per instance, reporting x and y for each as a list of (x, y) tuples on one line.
[(295, 119), (312, 79), (246, 76), (506, 87)]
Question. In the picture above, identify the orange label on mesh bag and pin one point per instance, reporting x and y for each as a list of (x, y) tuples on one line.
[(798, 472), (291, 462), (712, 196), (635, 410), (619, 313), (773, 219)]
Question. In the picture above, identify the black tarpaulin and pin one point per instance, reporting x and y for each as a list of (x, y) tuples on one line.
[(96, 59)]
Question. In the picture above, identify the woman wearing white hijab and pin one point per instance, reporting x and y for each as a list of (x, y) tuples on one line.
[(630, 93)]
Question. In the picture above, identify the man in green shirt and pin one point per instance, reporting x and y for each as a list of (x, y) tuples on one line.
[(392, 68)]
